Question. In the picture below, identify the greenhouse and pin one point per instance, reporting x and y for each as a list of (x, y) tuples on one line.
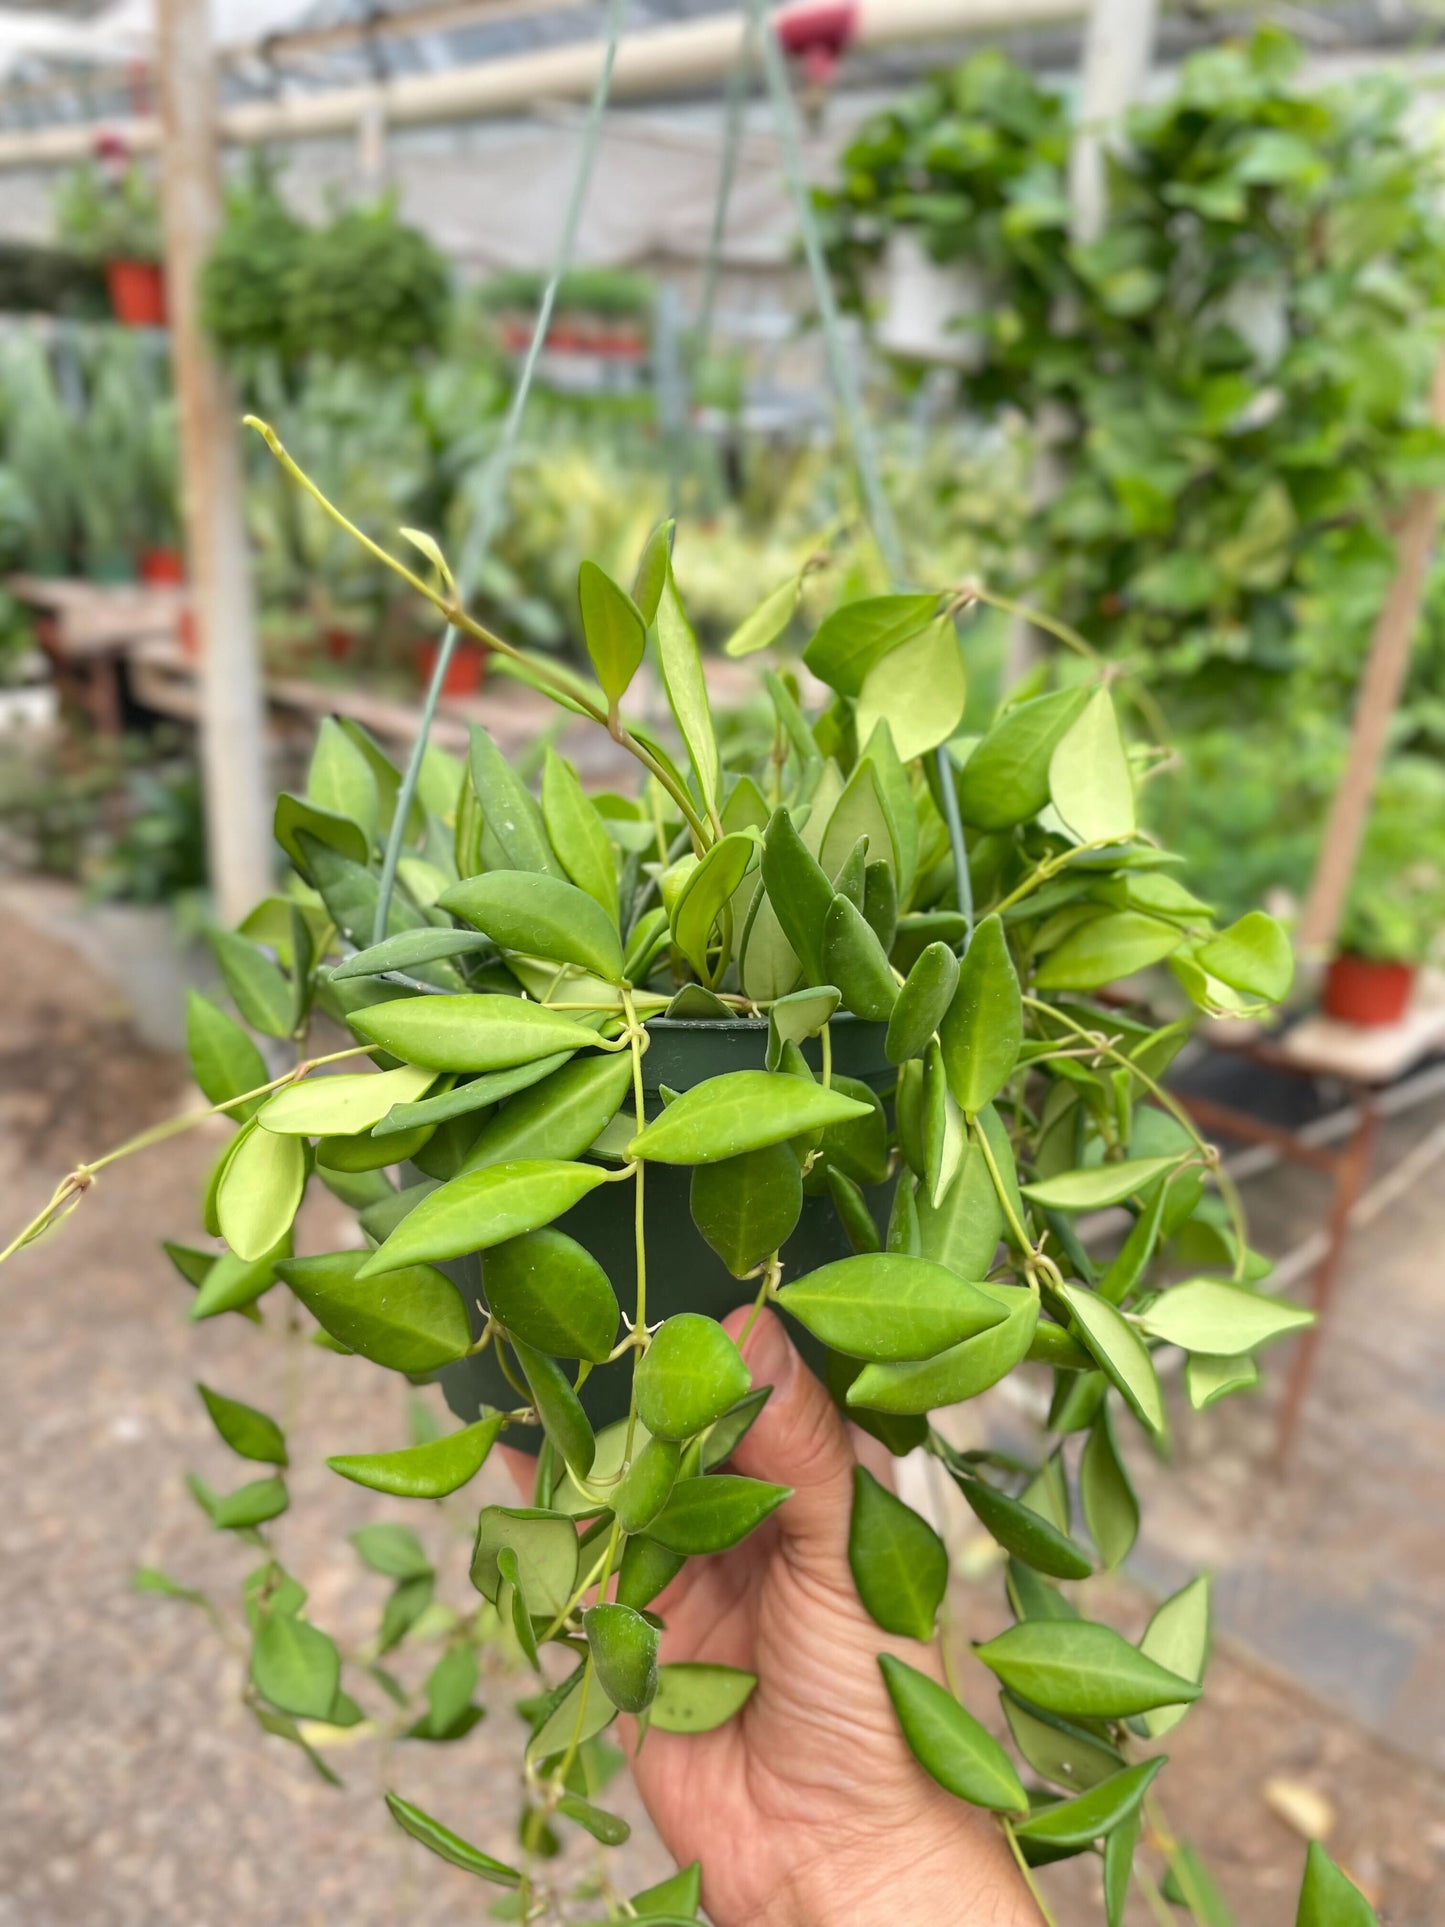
[(722, 834)]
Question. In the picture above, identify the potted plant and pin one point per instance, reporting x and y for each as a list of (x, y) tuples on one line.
[(368, 288), (108, 211), (1396, 906), (249, 279), (814, 1029)]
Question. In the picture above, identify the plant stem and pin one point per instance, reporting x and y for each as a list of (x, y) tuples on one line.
[(1046, 871), (827, 1046), (980, 1138), (1027, 1871)]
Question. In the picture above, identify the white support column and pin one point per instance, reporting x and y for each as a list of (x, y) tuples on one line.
[(232, 713), (1118, 49)]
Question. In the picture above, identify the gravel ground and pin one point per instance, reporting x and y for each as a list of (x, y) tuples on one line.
[(134, 1790)]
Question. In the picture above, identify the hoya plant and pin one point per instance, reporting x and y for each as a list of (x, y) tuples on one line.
[(826, 1024)]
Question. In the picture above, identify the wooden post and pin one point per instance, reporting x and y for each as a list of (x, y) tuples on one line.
[(1380, 687), (232, 715)]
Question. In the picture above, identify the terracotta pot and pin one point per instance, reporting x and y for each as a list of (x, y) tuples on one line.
[(187, 635), (1360, 991), (339, 640), (137, 291), (466, 672), (162, 567)]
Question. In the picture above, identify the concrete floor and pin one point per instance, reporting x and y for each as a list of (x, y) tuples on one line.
[(134, 1791)]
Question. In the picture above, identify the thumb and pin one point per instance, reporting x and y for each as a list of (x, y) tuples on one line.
[(798, 1439)]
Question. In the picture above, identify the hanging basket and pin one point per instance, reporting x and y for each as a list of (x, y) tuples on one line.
[(926, 304)]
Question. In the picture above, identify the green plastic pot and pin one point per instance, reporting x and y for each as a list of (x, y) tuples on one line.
[(683, 1271)]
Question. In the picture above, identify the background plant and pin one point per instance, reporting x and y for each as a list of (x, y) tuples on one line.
[(106, 214)]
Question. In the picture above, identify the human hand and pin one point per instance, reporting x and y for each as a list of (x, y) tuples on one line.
[(808, 1810)]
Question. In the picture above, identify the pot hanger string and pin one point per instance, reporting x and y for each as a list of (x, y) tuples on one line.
[(492, 492)]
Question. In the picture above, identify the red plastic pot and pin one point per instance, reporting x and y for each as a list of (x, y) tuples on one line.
[(162, 567), (188, 635), (339, 640), (466, 672), (137, 291), (1360, 991)]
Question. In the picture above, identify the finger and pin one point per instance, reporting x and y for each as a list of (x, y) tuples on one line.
[(798, 1439)]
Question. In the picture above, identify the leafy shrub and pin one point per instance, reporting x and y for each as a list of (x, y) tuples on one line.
[(108, 216), (368, 288), (246, 284)]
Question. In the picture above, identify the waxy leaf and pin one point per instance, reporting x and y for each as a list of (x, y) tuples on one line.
[(1025, 1533), (409, 950), (707, 892), (646, 1569), (624, 1651), (412, 1320), (484, 1208), (248, 1506), (540, 916), (248, 1432), (713, 1513), (886, 1306), (694, 1697), (680, 661), (610, 1828), (556, 1117), (1119, 1867), (747, 1207), (545, 1547), (341, 781), (552, 1294), (1252, 956), (858, 1221), (644, 1488), (1111, 1511), (512, 819), (960, 1372), (392, 1550), (919, 689), (926, 995), (299, 821), (1105, 949), (948, 1743), (259, 1191), (652, 567), (768, 621), (577, 833), (1089, 779), (1099, 1185), (799, 893), (1080, 1669), (232, 1283), (1068, 1755), (579, 1712), (295, 1666), (899, 1563), (258, 988), (342, 1106), (224, 1061), (1087, 1817), (740, 1111), (1327, 1898), (450, 1846), (474, 1095), (613, 629), (558, 1407), (469, 1033), (856, 962), (860, 634), (795, 1018), (1208, 1315), (1209, 1378), (983, 1026), (1121, 1352), (679, 1895), (427, 1471), (1006, 779), (861, 811), (963, 1230), (1178, 1637), (690, 1374)]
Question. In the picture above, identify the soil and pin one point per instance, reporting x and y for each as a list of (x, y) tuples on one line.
[(135, 1790)]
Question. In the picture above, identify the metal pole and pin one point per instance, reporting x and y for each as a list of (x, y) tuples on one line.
[(232, 715)]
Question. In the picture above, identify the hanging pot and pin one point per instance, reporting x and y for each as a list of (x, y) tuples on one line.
[(684, 1273), (1358, 990), (928, 306), (137, 291)]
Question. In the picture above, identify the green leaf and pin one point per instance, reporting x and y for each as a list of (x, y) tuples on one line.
[(645, 1570), (922, 1003), (713, 1513), (983, 1025), (1105, 949), (690, 1374), (1089, 779), (1111, 1511), (919, 689), (427, 1471), (545, 1289), (727, 1433), (680, 1894), (232, 1283), (341, 1106), (409, 950), (1188, 1884), (298, 818), (694, 1697), (613, 629), (577, 833), (959, 1373), (259, 1192), (1006, 779), (556, 1117), (573, 1722), (1089, 1816), (1178, 1637), (1121, 1352), (1099, 1185), (512, 819), (645, 1486), (295, 1666), (899, 1563), (224, 1061), (545, 1547), (1253, 956), (392, 1550), (248, 1506), (447, 1845), (258, 988), (484, 1208), (340, 780), (412, 1320), (1209, 1378), (1025, 1533), (1208, 1315), (747, 1207), (740, 1111), (856, 962), (248, 1432), (768, 621), (1327, 1898), (706, 894), (652, 567), (860, 634), (680, 661), (862, 811), (798, 892), (609, 1828), (886, 1306), (963, 1230), (1068, 1755), (1080, 1669), (624, 1651), (795, 1018), (857, 1219), (948, 1742), (449, 1688), (559, 1408), (469, 1033), (540, 916)]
